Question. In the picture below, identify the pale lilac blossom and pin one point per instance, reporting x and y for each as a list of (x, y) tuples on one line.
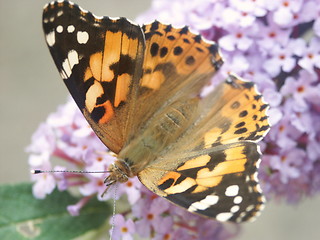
[(310, 57), (123, 229)]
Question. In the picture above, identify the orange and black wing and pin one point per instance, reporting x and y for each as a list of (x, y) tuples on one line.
[(212, 169), (177, 65), (100, 60)]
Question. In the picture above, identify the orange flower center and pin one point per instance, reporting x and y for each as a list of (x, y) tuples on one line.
[(286, 4), (166, 236), (300, 89), (100, 183), (281, 128), (129, 184), (272, 34), (239, 35), (150, 216)]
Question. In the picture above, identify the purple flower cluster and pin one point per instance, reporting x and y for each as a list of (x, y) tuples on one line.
[(273, 43)]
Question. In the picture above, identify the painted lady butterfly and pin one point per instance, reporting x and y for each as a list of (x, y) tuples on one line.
[(138, 87)]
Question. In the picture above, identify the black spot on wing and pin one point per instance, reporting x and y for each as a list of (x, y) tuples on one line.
[(154, 49), (163, 51), (243, 113), (168, 183), (190, 60), (177, 51), (97, 113)]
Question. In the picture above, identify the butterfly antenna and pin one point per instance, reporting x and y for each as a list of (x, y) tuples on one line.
[(37, 171), (114, 210)]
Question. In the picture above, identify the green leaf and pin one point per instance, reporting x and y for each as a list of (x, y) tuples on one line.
[(24, 217)]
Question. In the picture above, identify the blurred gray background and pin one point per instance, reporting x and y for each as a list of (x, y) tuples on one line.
[(31, 88)]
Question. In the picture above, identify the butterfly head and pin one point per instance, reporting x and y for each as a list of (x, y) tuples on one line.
[(119, 172)]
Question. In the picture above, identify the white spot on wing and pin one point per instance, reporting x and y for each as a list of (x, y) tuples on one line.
[(222, 217), (66, 68), (59, 29), (204, 203), (51, 38), (83, 10), (249, 208), (69, 63), (237, 200), (235, 209), (259, 188), (70, 29), (243, 214), (114, 18), (132, 22), (59, 13), (232, 191), (210, 200), (97, 17), (197, 206), (82, 37), (73, 58), (63, 75)]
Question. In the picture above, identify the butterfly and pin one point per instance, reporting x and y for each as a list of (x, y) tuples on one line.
[(139, 89)]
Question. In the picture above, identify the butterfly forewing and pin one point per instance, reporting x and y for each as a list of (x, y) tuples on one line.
[(100, 61), (177, 64)]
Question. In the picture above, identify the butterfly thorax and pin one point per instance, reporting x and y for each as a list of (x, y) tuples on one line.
[(156, 138)]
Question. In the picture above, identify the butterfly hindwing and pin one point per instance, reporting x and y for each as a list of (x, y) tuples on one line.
[(100, 60), (221, 184), (240, 114), (214, 156)]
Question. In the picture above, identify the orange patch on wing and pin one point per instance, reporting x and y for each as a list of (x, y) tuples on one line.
[(209, 181), (122, 89), (95, 91), (235, 153), (196, 162), (95, 63), (212, 136), (129, 46), (181, 187), (111, 54), (168, 176), (223, 168), (178, 188), (108, 112), (153, 80)]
